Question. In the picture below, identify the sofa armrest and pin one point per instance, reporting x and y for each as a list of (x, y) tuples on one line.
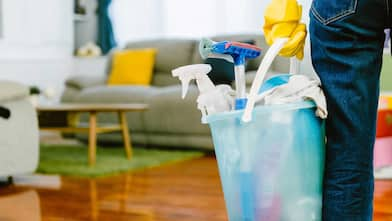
[(12, 91), (82, 82)]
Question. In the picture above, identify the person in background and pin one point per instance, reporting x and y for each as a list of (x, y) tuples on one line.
[(347, 40)]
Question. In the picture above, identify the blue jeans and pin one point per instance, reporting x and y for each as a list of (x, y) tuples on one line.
[(347, 39)]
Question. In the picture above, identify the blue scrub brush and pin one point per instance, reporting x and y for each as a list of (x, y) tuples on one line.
[(235, 52)]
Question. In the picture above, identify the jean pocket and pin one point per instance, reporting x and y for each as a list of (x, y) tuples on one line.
[(328, 11)]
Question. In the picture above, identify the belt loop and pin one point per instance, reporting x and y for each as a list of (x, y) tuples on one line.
[(390, 39), (389, 23)]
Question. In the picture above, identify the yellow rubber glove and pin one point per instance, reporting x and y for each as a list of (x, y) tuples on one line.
[(282, 20)]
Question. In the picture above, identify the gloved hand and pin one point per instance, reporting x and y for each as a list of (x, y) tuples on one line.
[(282, 20)]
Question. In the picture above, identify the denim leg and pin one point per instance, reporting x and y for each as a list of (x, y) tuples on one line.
[(347, 46)]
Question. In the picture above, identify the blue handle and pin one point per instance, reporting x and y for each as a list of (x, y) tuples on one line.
[(240, 103)]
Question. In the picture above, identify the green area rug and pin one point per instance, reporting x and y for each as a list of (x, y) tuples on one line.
[(72, 160)]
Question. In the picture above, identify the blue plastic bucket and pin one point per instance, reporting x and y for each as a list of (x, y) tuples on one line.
[(272, 167)]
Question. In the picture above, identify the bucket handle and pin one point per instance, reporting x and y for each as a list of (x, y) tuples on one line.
[(266, 63)]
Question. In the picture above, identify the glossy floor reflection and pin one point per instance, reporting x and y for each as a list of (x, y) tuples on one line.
[(23, 205), (184, 191), (187, 191)]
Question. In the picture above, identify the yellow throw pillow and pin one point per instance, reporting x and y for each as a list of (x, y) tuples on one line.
[(132, 67)]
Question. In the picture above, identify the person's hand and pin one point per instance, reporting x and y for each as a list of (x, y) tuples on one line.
[(282, 20)]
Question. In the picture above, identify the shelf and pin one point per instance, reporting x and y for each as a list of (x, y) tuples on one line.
[(80, 18)]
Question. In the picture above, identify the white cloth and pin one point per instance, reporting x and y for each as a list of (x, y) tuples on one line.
[(299, 87)]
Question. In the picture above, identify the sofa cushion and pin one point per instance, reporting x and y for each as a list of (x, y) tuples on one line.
[(162, 79), (84, 81), (132, 67), (172, 53), (12, 91), (170, 114), (196, 57), (115, 94)]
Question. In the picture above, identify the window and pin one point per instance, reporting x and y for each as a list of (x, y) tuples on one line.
[(135, 20)]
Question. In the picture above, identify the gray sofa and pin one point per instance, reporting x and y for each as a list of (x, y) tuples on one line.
[(170, 121)]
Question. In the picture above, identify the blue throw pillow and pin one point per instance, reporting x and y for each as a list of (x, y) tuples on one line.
[(222, 70)]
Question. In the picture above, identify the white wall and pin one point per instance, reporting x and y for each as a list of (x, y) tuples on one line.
[(36, 28), (136, 20), (37, 43), (206, 17), (191, 18)]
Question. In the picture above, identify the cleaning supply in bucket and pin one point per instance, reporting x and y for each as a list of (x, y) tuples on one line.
[(262, 161), (260, 75), (212, 99), (238, 52), (273, 82), (296, 89), (271, 166), (275, 149)]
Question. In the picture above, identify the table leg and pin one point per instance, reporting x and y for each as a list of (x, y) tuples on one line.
[(92, 139), (125, 134)]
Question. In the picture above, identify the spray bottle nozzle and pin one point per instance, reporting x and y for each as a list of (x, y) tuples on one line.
[(211, 99), (206, 46), (189, 72)]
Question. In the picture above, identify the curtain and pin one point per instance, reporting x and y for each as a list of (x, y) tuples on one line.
[(106, 38)]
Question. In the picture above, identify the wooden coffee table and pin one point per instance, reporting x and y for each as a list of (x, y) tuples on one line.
[(93, 129)]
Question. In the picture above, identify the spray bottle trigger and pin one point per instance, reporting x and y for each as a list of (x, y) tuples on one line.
[(185, 86)]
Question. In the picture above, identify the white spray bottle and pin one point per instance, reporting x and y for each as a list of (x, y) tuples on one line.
[(212, 99)]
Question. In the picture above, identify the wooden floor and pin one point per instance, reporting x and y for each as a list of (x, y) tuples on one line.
[(188, 191)]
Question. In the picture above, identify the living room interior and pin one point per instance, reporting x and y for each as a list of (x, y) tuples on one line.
[(95, 126)]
